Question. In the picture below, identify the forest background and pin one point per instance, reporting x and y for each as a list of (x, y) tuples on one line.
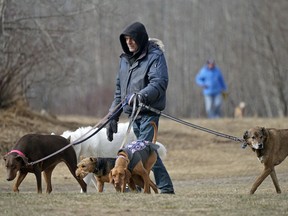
[(62, 56)]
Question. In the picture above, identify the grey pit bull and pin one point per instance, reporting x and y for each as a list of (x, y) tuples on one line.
[(32, 147)]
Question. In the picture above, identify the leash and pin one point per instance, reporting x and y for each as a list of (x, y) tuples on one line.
[(132, 119), (236, 139), (99, 126)]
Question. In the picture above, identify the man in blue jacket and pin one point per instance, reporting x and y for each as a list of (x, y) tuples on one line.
[(210, 78), (142, 78)]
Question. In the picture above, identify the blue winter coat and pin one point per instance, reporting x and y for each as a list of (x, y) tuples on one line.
[(211, 80)]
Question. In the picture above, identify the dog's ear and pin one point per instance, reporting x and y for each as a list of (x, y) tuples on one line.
[(245, 136), (110, 178), (69, 139), (93, 159), (22, 159), (127, 175), (264, 131)]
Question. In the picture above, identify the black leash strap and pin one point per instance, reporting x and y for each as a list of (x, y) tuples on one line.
[(193, 125)]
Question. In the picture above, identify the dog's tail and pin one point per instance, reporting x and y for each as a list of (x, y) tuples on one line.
[(162, 151), (155, 131)]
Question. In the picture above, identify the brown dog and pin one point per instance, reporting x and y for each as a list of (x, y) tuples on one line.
[(33, 147), (133, 166), (101, 167), (271, 148)]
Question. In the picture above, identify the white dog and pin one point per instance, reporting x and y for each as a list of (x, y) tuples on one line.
[(99, 146)]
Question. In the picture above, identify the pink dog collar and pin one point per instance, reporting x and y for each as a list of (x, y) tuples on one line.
[(18, 152)]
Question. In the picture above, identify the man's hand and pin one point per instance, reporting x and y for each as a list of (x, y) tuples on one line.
[(112, 127), (138, 98), (224, 95)]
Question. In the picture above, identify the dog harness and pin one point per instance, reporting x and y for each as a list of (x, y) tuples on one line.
[(138, 150)]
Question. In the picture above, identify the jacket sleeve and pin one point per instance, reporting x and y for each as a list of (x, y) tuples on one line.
[(157, 80), (200, 78), (116, 100)]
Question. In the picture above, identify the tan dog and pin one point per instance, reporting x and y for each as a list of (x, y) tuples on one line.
[(240, 110), (271, 148), (133, 167), (101, 167)]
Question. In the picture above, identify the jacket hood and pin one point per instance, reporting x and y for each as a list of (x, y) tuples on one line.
[(138, 32), (158, 43)]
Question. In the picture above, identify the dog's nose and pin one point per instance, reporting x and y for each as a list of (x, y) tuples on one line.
[(260, 146)]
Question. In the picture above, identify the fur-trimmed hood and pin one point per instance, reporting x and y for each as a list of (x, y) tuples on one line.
[(158, 43), (138, 32)]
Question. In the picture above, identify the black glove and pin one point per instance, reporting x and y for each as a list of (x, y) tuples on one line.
[(112, 127), (138, 98)]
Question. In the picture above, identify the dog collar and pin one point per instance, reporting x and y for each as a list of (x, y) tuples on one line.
[(121, 156), (18, 152), (125, 158)]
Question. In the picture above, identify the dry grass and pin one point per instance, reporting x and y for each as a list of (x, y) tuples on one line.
[(211, 175)]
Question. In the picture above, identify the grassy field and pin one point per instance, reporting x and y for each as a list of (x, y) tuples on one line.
[(211, 175)]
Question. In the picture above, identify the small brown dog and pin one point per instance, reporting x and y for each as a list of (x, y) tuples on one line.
[(271, 148), (101, 167), (33, 147), (133, 166)]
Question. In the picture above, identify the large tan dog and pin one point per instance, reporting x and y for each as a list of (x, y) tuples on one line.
[(133, 167), (271, 148)]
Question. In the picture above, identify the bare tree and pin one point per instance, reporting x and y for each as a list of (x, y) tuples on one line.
[(29, 46), (271, 46)]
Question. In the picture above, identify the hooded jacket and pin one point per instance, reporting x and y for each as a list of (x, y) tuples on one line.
[(211, 80), (144, 72)]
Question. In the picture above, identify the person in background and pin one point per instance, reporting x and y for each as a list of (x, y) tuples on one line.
[(211, 80), (142, 78)]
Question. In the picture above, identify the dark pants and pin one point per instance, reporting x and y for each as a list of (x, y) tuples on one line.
[(145, 131)]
